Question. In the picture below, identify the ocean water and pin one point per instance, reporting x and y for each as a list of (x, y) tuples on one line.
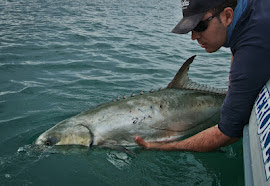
[(59, 58)]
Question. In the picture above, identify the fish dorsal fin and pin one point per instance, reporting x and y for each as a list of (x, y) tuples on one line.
[(182, 81), (181, 77)]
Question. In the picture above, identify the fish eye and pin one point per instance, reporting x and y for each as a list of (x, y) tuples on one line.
[(48, 143), (51, 141)]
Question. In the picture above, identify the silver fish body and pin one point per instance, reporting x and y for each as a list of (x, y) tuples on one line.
[(168, 114)]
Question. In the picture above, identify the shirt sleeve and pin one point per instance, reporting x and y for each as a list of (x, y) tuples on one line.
[(249, 72)]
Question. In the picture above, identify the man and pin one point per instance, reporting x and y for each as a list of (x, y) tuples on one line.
[(244, 26)]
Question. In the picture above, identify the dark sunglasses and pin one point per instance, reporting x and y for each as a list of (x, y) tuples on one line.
[(203, 25)]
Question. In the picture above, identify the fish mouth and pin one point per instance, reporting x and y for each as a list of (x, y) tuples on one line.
[(78, 135)]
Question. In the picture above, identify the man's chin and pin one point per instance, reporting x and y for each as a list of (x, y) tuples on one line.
[(211, 50)]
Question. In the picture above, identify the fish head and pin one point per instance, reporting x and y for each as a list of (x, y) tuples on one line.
[(62, 135)]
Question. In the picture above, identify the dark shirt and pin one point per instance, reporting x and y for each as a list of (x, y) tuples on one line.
[(250, 70)]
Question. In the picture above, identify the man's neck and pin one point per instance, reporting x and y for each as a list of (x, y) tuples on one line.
[(239, 9)]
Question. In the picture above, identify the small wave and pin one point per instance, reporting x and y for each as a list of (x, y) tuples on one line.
[(12, 119), (29, 83), (26, 87), (12, 92)]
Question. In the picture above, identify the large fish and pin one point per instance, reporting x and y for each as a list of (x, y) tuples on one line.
[(181, 109)]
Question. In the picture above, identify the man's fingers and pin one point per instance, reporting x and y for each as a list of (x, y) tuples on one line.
[(140, 141)]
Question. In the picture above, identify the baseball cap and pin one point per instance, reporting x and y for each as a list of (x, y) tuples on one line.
[(193, 12)]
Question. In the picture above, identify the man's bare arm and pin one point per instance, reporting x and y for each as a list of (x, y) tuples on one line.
[(205, 141)]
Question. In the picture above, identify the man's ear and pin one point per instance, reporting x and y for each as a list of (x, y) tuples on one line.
[(227, 16)]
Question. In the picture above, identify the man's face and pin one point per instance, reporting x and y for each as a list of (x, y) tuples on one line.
[(214, 36)]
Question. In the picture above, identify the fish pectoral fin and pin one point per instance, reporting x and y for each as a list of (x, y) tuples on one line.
[(118, 148)]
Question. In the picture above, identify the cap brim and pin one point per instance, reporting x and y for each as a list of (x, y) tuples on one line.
[(187, 24)]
